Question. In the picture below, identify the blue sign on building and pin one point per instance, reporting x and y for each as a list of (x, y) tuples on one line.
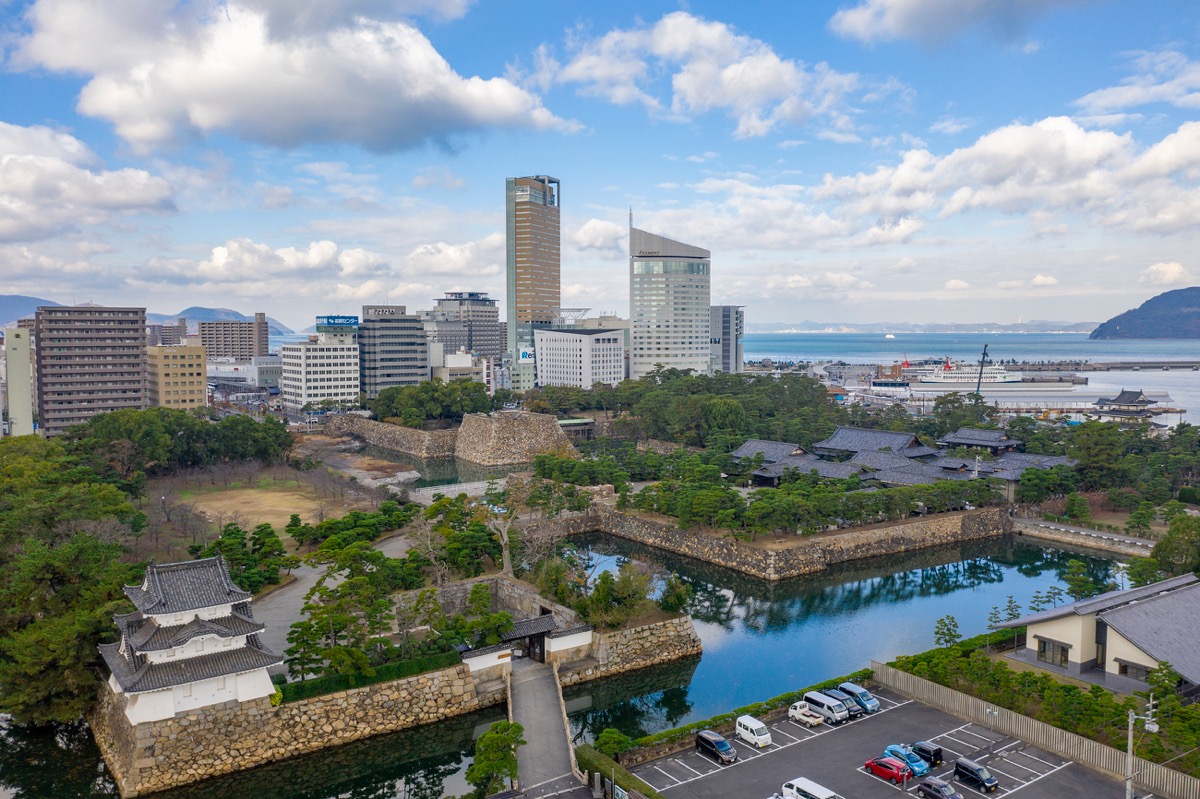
[(337, 321)]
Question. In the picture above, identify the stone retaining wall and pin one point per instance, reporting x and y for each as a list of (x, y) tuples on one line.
[(508, 594), (1090, 540), (196, 745), (803, 555), (509, 437), (394, 437), (618, 651)]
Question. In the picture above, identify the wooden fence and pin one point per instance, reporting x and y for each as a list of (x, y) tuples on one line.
[(1152, 777)]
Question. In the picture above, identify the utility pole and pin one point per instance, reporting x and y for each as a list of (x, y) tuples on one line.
[(1151, 726)]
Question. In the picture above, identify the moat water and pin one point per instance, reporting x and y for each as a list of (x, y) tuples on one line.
[(760, 640)]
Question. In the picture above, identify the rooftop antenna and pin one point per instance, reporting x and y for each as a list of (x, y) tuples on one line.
[(631, 216)]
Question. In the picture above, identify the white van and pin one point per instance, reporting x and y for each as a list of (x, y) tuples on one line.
[(801, 788), (827, 707), (753, 731)]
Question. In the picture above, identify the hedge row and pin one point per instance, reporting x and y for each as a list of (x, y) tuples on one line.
[(332, 683), (965, 646), (758, 709), (593, 761)]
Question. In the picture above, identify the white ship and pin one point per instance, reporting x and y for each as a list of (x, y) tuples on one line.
[(950, 372)]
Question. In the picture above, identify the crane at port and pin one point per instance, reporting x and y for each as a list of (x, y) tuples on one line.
[(979, 381)]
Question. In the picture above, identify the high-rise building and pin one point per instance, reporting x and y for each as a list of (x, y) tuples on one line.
[(580, 358), (392, 349), (669, 289), (533, 267), (478, 312), (90, 360), (728, 327), (239, 340), (323, 370), (18, 380), (167, 335), (176, 377)]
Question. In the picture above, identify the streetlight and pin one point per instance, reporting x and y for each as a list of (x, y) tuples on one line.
[(1151, 726), (992, 715)]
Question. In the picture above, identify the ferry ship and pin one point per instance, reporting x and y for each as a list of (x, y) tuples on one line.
[(952, 374)]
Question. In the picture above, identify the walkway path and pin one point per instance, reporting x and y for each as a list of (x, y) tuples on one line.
[(1128, 544), (425, 495), (544, 763)]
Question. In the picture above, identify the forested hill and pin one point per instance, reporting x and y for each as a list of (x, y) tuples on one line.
[(1173, 314)]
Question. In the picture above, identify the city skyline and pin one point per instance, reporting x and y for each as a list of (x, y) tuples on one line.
[(869, 160)]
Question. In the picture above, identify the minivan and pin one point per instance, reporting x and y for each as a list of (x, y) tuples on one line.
[(753, 731), (931, 753), (972, 773), (801, 788), (833, 711), (861, 696), (847, 702), (715, 746)]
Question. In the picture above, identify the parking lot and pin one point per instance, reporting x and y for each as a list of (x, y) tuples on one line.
[(834, 757)]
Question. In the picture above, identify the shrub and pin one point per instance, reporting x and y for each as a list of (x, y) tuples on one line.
[(331, 683), (593, 762)]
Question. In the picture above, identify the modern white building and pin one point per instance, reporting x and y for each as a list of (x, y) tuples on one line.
[(324, 368), (669, 290), (728, 325), (264, 371), (18, 359), (580, 358), (392, 349), (191, 643)]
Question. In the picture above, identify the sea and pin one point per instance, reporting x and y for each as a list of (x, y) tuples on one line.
[(1183, 386)]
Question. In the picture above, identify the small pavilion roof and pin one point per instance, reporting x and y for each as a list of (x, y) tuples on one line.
[(187, 585)]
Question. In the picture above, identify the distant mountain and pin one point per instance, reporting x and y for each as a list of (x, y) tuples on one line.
[(15, 306), (198, 314), (1172, 314), (808, 326)]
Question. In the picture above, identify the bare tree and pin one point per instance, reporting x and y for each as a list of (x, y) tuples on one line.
[(189, 522), (428, 541)]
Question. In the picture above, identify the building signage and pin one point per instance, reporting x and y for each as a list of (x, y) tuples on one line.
[(386, 311), (337, 321), (526, 356)]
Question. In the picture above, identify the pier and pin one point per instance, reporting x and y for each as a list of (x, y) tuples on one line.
[(1107, 366)]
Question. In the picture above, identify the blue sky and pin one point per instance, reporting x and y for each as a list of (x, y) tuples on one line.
[(868, 160)]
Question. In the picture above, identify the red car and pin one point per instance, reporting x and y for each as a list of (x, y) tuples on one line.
[(888, 768)]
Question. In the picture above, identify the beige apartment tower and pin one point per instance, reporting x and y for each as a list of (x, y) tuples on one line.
[(90, 360), (534, 260), (239, 340), (18, 357), (176, 377)]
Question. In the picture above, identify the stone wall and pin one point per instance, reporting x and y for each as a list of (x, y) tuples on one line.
[(406, 440), (798, 555), (1090, 539), (509, 594), (618, 651), (196, 745), (509, 437)]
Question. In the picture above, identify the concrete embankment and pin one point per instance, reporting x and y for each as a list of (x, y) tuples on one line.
[(1113, 543)]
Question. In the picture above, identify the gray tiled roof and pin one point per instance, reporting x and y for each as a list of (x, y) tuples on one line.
[(964, 464), (147, 636), (1164, 627), (857, 439), (974, 437), (917, 473), (1012, 465), (808, 463), (1105, 602), (772, 450), (879, 460), (189, 585), (1127, 397), (137, 675), (528, 627)]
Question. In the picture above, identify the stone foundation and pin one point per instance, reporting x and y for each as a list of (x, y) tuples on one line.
[(635, 648), (407, 440), (1089, 540), (509, 594), (216, 740)]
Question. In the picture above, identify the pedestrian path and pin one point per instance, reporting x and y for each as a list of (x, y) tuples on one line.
[(424, 496), (544, 763)]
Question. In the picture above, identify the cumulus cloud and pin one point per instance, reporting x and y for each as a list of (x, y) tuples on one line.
[(164, 72), (1038, 281), (472, 258), (950, 126), (957, 285), (50, 182), (1044, 280), (934, 22), (1167, 77), (598, 234), (711, 68), (1171, 273)]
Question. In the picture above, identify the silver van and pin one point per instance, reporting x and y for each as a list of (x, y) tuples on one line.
[(833, 711), (802, 788)]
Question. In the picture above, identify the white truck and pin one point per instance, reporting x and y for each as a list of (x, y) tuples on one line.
[(803, 714)]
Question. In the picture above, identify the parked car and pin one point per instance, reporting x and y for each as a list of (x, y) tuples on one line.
[(802, 713), (802, 788), (934, 788), (752, 731), (906, 755), (975, 774), (828, 708), (889, 768), (847, 701), (861, 696), (931, 753), (715, 746)]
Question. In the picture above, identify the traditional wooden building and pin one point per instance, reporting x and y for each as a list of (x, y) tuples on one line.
[(1130, 408)]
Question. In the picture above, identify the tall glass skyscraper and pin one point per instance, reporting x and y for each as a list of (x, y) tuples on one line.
[(669, 290), (533, 267)]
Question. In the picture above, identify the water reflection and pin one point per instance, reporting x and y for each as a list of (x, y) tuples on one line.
[(639, 702), (444, 471)]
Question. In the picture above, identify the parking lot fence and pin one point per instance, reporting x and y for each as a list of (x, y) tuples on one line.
[(1160, 780)]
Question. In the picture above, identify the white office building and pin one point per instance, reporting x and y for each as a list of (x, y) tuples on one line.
[(324, 368), (728, 327), (669, 290), (579, 358)]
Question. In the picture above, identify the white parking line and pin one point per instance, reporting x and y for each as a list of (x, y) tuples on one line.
[(1043, 776), (992, 767), (668, 776), (803, 727), (689, 768), (1038, 759), (1018, 765), (974, 734), (785, 735), (963, 744)]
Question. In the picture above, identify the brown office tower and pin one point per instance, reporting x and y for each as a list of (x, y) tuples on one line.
[(90, 360), (534, 261), (238, 340)]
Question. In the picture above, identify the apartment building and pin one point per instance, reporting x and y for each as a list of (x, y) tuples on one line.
[(176, 377), (580, 358), (239, 340)]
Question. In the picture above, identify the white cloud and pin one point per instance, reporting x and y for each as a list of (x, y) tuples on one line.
[(313, 16), (50, 183), (1171, 273), (598, 234), (1168, 77), (1005, 285), (433, 177), (1044, 280), (957, 285), (950, 126), (470, 259), (934, 22), (164, 72), (905, 264), (711, 68)]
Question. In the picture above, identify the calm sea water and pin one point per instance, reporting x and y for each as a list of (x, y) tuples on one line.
[(1183, 386)]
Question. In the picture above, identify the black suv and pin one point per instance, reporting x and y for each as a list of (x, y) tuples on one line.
[(972, 773), (929, 752), (715, 746)]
